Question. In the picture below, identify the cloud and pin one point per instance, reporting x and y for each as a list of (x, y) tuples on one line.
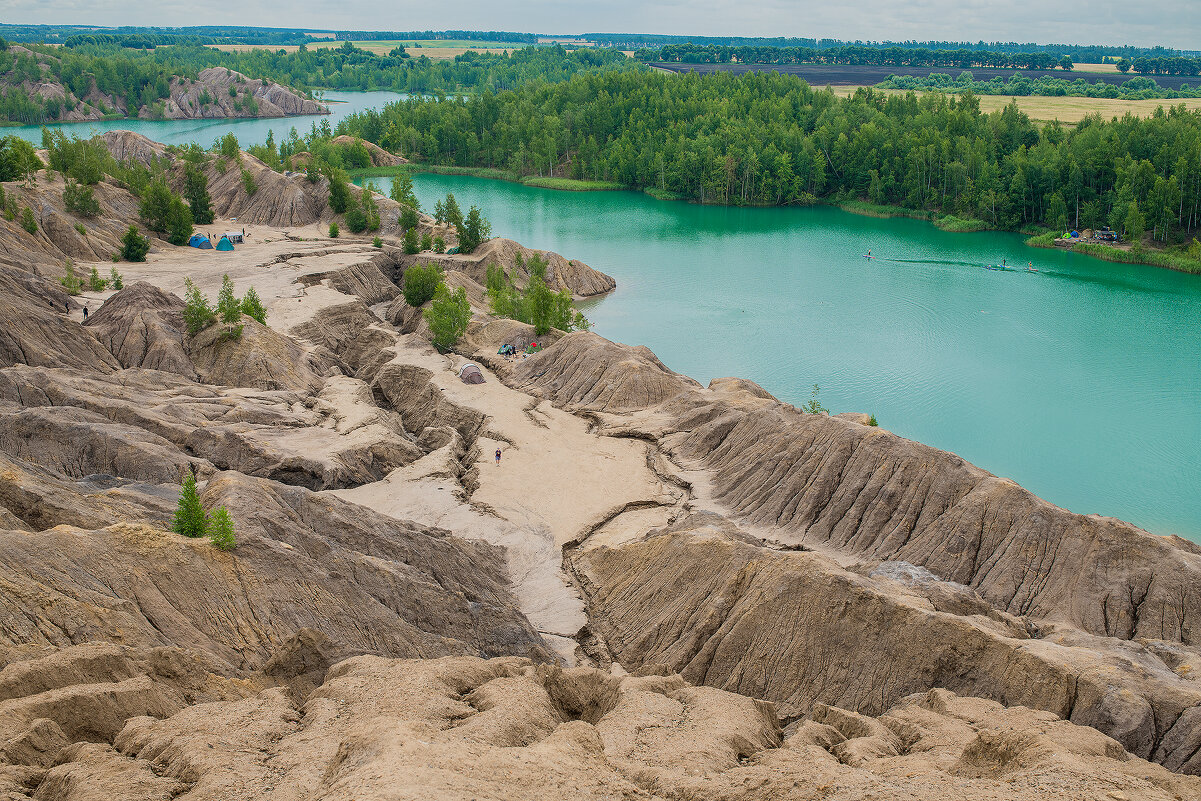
[(1168, 22)]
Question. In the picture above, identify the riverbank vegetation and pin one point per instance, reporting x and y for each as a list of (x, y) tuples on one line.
[(771, 139)]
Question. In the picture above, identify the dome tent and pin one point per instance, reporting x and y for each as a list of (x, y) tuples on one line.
[(225, 244), (200, 241), (470, 374)]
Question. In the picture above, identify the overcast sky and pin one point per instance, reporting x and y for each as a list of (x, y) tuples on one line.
[(1174, 23)]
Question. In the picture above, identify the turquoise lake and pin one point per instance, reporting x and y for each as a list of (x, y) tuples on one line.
[(1082, 382)]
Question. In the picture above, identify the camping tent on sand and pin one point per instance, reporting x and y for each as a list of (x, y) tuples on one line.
[(200, 241), (225, 244), (470, 374)]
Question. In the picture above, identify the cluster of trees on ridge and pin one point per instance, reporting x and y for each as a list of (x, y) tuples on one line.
[(143, 77), (133, 78), (854, 54), (771, 139)]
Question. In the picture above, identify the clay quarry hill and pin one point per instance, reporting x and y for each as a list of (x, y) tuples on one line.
[(663, 591), (215, 93)]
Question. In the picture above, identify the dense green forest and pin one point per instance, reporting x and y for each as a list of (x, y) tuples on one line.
[(135, 78), (1138, 88), (347, 67), (1088, 54), (854, 54), (897, 56), (141, 77), (771, 139)]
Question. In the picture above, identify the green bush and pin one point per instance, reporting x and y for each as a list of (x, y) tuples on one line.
[(229, 309), (253, 308), (402, 190), (95, 282), (196, 192), (81, 229), (339, 191), (71, 283), (448, 316), (221, 530), (872, 421), (426, 242), (165, 212), (408, 218), (814, 405), (377, 242), (190, 519), (451, 214), (228, 146), (28, 222), (411, 245), (473, 231), (356, 220), (537, 304), (439, 245), (115, 279), (248, 182), (370, 207), (333, 230), (197, 313), (420, 283), (81, 200), (134, 246)]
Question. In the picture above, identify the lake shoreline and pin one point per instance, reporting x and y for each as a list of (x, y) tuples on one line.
[(948, 222)]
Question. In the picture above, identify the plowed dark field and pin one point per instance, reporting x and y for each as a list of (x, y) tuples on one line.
[(868, 75)]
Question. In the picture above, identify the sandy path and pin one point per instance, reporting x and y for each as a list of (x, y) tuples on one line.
[(556, 483)]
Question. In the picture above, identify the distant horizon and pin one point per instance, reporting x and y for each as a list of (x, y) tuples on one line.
[(1105, 22), (584, 34)]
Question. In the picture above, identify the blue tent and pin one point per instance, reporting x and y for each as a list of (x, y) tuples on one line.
[(225, 244), (200, 241)]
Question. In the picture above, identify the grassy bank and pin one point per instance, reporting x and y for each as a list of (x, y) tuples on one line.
[(865, 209), (949, 222), (573, 185), (561, 184), (1167, 259)]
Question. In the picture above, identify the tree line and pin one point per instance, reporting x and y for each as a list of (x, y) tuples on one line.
[(771, 139), (1089, 54), (1138, 88), (854, 55)]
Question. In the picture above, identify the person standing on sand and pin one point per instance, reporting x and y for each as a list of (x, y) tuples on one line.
[(498, 455), (85, 312)]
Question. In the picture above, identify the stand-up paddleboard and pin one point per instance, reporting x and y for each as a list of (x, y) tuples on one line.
[(868, 256)]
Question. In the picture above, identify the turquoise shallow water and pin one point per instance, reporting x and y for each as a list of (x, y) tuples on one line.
[(1082, 382), (205, 132)]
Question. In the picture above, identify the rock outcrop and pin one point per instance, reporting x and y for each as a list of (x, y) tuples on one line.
[(466, 728), (208, 96), (704, 599), (817, 480), (142, 326), (219, 92), (561, 273), (304, 561)]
